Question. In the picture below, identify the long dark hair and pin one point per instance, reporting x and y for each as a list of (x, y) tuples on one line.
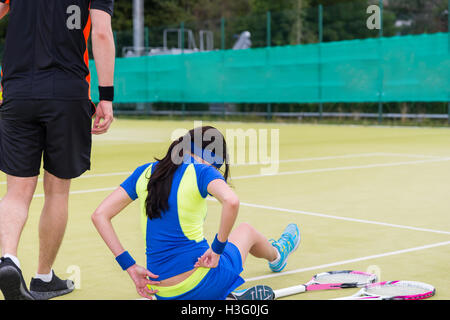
[(160, 182)]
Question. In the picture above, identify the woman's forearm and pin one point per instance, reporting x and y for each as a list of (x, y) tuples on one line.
[(108, 234), (108, 209), (229, 214), (230, 207)]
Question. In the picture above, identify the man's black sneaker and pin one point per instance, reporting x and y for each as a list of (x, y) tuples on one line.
[(254, 293), (12, 283), (42, 290)]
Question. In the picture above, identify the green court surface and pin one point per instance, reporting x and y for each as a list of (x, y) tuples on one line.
[(365, 198)]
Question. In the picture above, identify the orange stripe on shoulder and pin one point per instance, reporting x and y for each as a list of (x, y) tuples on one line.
[(86, 33)]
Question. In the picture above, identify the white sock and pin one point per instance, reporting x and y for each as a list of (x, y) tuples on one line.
[(13, 258), (45, 277), (277, 259)]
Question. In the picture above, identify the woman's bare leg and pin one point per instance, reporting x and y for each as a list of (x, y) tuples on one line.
[(249, 240)]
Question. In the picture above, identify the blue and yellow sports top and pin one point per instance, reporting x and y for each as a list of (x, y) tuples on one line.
[(175, 241)]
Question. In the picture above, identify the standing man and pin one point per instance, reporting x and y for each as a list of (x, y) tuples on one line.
[(47, 113)]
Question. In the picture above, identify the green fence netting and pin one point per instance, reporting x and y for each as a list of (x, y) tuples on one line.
[(402, 68)]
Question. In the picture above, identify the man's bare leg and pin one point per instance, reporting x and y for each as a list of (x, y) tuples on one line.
[(52, 226), (53, 222), (14, 209)]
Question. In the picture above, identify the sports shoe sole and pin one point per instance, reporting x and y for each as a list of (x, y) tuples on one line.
[(298, 243), (259, 292), (11, 285), (50, 294), (295, 248)]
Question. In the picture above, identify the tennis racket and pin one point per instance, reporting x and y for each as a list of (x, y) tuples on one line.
[(330, 280), (394, 290)]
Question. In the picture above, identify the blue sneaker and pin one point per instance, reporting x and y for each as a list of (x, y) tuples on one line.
[(288, 243)]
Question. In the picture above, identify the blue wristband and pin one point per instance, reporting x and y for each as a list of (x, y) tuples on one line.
[(217, 246), (125, 260)]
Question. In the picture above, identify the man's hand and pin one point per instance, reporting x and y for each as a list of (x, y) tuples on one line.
[(140, 276), (104, 116), (208, 260)]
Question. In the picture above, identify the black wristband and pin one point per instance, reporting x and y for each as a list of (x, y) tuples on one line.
[(106, 93)]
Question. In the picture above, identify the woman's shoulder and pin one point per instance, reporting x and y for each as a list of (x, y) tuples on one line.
[(202, 168), (144, 167), (139, 171)]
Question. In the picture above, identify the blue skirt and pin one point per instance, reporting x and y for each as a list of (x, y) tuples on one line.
[(218, 282)]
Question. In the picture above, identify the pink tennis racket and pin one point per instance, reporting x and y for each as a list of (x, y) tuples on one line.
[(328, 281), (394, 290)]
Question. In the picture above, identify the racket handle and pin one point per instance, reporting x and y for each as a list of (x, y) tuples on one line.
[(289, 291), (358, 298)]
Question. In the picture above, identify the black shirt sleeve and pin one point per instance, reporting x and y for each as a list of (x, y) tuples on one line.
[(104, 5)]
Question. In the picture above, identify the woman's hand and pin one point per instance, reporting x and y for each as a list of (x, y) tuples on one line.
[(208, 260), (140, 275)]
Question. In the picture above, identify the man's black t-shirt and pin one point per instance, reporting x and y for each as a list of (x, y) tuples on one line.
[(46, 54)]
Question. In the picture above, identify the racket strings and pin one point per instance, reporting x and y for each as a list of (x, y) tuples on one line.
[(397, 289), (344, 278)]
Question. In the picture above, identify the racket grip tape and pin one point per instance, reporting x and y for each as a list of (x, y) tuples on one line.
[(280, 293)]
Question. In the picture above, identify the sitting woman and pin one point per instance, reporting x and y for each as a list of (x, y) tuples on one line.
[(172, 193)]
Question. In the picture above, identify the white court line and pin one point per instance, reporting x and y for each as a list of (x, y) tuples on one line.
[(289, 211), (315, 214), (41, 195), (321, 215), (96, 175), (367, 166), (409, 155), (345, 156), (338, 263), (348, 156)]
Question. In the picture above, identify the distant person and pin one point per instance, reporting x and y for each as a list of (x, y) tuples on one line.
[(47, 112), (172, 194)]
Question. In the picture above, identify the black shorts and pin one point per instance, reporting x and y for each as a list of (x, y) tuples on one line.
[(57, 131)]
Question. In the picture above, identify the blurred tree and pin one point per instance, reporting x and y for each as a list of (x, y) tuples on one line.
[(293, 21), (420, 16)]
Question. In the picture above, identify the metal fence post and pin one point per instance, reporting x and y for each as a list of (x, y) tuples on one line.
[(269, 29), (182, 37), (448, 48), (116, 45), (320, 59), (223, 48), (222, 33), (269, 44), (380, 91), (147, 37), (381, 17)]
